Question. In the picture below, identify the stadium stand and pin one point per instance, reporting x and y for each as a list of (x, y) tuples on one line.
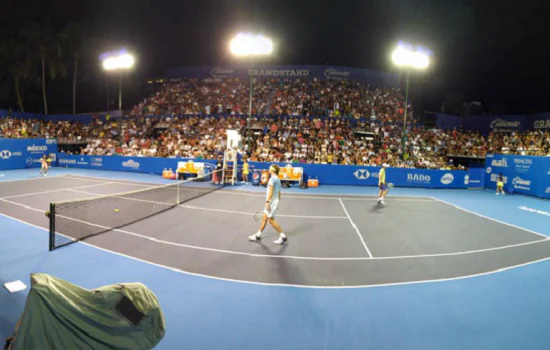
[(298, 121)]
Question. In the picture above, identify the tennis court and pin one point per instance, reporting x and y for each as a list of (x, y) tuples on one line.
[(334, 240)]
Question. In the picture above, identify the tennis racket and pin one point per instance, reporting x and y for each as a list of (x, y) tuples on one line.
[(259, 216), (390, 185)]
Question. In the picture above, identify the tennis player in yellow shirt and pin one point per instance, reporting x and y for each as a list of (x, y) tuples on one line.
[(382, 184), (246, 171)]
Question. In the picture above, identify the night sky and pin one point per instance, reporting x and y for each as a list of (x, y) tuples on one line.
[(495, 52)]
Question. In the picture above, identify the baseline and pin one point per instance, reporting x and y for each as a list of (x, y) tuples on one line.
[(489, 218)]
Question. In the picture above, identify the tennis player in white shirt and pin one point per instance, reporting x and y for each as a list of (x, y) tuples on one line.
[(273, 197)]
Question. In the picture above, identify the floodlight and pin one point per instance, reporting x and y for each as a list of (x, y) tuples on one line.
[(245, 44), (405, 56)]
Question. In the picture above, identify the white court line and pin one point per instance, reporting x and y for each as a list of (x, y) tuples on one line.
[(397, 199), (212, 209), (149, 238), (336, 259), (53, 191), (114, 180), (356, 229), (252, 194), (53, 176), (461, 253), (292, 285), (30, 179), (489, 218), (174, 243), (278, 215), (320, 196), (289, 256)]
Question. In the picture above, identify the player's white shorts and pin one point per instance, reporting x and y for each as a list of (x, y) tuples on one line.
[(272, 209)]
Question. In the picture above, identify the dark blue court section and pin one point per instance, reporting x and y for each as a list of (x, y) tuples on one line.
[(504, 310)]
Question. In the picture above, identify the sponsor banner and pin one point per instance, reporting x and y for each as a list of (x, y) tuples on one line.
[(500, 163), (527, 175), (362, 174), (523, 164), (521, 184), (401, 177), (494, 179), (130, 164), (96, 162), (223, 73), (66, 162), (448, 179), (278, 72), (83, 161), (475, 178), (25, 153), (502, 125), (74, 161), (485, 123), (494, 165), (491, 123), (541, 124), (7, 154), (533, 210), (375, 78), (540, 121), (333, 73), (488, 123)]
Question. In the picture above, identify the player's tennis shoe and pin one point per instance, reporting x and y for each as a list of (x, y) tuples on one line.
[(281, 240), (254, 238)]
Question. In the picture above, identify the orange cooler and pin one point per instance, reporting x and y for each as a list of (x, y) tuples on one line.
[(312, 183)]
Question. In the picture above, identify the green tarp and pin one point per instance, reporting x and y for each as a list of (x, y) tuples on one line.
[(59, 315)]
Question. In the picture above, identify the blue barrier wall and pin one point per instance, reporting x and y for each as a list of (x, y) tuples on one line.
[(326, 174), (488, 123), (25, 153), (119, 163), (527, 175)]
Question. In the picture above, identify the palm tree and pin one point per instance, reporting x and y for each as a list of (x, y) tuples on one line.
[(16, 67), (43, 44), (72, 39)]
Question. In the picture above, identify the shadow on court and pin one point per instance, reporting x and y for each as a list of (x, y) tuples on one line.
[(377, 208)]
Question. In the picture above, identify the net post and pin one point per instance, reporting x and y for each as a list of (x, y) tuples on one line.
[(52, 226)]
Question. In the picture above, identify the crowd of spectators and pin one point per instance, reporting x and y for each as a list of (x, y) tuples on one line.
[(324, 98), (279, 139), (322, 122)]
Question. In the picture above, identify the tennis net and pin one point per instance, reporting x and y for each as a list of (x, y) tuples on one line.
[(75, 220)]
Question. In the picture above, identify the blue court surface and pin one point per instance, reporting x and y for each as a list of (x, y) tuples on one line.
[(500, 308)]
